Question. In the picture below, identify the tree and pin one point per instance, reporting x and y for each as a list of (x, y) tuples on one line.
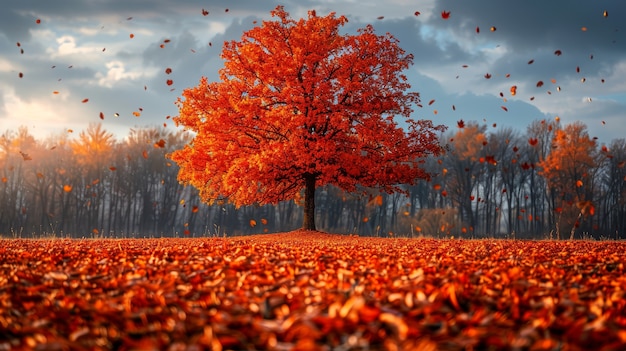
[(300, 106), (568, 170)]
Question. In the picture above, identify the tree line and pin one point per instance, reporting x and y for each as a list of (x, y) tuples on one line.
[(551, 181)]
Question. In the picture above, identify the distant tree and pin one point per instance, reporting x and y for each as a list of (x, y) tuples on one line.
[(568, 170), (301, 106)]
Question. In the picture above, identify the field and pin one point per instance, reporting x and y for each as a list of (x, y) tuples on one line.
[(311, 291)]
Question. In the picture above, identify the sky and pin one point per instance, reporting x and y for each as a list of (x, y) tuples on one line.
[(66, 64)]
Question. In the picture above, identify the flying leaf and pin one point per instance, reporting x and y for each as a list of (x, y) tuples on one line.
[(25, 156), (445, 15), (67, 188)]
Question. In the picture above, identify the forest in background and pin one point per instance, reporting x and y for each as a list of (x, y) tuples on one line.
[(551, 181)]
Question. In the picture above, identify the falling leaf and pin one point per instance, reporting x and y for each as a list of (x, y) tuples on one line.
[(380, 17), (113, 168), (38, 21), (487, 76), (504, 108), (558, 52), (533, 141), (252, 223), (67, 188), (431, 102), (25, 156), (101, 115), (493, 29), (168, 70), (160, 143), (445, 15), (539, 84), (584, 29), (21, 75), (531, 62), (513, 90), (477, 29), (85, 101), (606, 13), (417, 13), (205, 12), (460, 123), (136, 113), (132, 35), (144, 153), (169, 82), (579, 183)]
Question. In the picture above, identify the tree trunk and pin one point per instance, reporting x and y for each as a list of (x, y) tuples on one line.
[(309, 202)]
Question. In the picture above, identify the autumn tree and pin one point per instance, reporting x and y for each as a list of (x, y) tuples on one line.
[(299, 106), (568, 171)]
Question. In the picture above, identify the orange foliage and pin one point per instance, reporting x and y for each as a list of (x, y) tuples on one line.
[(317, 108)]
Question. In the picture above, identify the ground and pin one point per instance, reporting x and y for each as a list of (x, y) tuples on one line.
[(311, 291)]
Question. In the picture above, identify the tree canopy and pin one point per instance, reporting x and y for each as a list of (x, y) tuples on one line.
[(299, 106)]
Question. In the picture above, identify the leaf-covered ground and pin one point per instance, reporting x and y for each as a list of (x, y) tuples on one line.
[(309, 291)]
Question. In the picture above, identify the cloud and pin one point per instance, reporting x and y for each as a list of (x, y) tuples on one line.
[(88, 43), (115, 72)]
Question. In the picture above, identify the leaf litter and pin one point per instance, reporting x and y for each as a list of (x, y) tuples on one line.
[(311, 291)]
